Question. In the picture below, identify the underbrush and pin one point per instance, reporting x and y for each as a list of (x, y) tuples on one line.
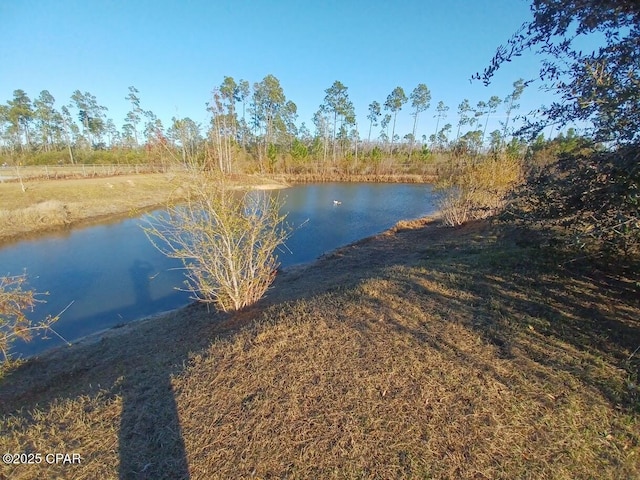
[(591, 199), (477, 189)]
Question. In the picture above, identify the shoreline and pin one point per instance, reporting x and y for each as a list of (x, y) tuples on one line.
[(422, 339), (56, 214), (283, 275), (56, 205)]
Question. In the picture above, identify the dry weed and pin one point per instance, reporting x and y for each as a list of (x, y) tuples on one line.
[(477, 190)]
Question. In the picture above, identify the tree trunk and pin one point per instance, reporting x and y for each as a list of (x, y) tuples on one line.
[(335, 121), (413, 138), (393, 133)]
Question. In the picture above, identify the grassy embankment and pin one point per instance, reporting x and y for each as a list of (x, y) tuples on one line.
[(47, 204), (424, 352)]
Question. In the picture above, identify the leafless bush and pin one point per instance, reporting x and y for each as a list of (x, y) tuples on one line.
[(455, 208), (15, 300), (226, 240)]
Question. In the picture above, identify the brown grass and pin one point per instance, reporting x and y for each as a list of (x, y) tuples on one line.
[(50, 204), (54, 204), (425, 352)]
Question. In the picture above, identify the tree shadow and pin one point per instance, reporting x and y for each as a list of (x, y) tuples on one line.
[(519, 298)]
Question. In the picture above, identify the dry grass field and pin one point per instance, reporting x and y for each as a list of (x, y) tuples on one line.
[(47, 204), (424, 352), (50, 204)]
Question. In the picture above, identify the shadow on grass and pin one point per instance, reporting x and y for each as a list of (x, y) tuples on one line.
[(582, 321), (516, 297), (150, 437), (512, 297), (132, 365)]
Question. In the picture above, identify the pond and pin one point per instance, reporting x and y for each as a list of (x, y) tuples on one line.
[(110, 274)]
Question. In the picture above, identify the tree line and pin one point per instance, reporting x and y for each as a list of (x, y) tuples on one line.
[(254, 123)]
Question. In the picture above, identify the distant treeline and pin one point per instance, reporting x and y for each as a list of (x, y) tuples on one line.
[(253, 128)]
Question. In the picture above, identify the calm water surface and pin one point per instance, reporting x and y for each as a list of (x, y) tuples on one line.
[(110, 273)]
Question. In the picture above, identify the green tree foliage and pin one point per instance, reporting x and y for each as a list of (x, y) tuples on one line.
[(337, 103), (441, 110), (91, 116), (394, 103), (322, 123), (20, 114), (230, 93), (374, 115), (511, 105), (185, 133), (220, 133), (268, 133), (4, 125), (268, 105), (594, 196), (601, 86), (153, 128), (243, 95), (384, 124), (464, 109), (134, 116), (48, 120), (420, 101), (70, 130), (492, 105)]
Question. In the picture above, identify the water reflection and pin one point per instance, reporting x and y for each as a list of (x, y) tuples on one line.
[(113, 275), (139, 272)]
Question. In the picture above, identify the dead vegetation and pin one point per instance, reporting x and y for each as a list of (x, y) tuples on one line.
[(477, 189), (225, 239), (425, 352), (54, 204), (328, 176)]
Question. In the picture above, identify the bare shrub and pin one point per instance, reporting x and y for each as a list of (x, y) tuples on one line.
[(226, 240), (477, 190), (15, 300), (455, 207)]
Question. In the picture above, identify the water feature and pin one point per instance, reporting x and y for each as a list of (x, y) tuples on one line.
[(110, 274)]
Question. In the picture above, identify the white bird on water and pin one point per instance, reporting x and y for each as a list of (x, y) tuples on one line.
[(336, 202)]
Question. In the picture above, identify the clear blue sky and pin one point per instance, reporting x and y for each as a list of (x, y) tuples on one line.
[(176, 52)]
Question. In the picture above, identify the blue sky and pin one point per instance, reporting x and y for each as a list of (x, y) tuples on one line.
[(176, 52)]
